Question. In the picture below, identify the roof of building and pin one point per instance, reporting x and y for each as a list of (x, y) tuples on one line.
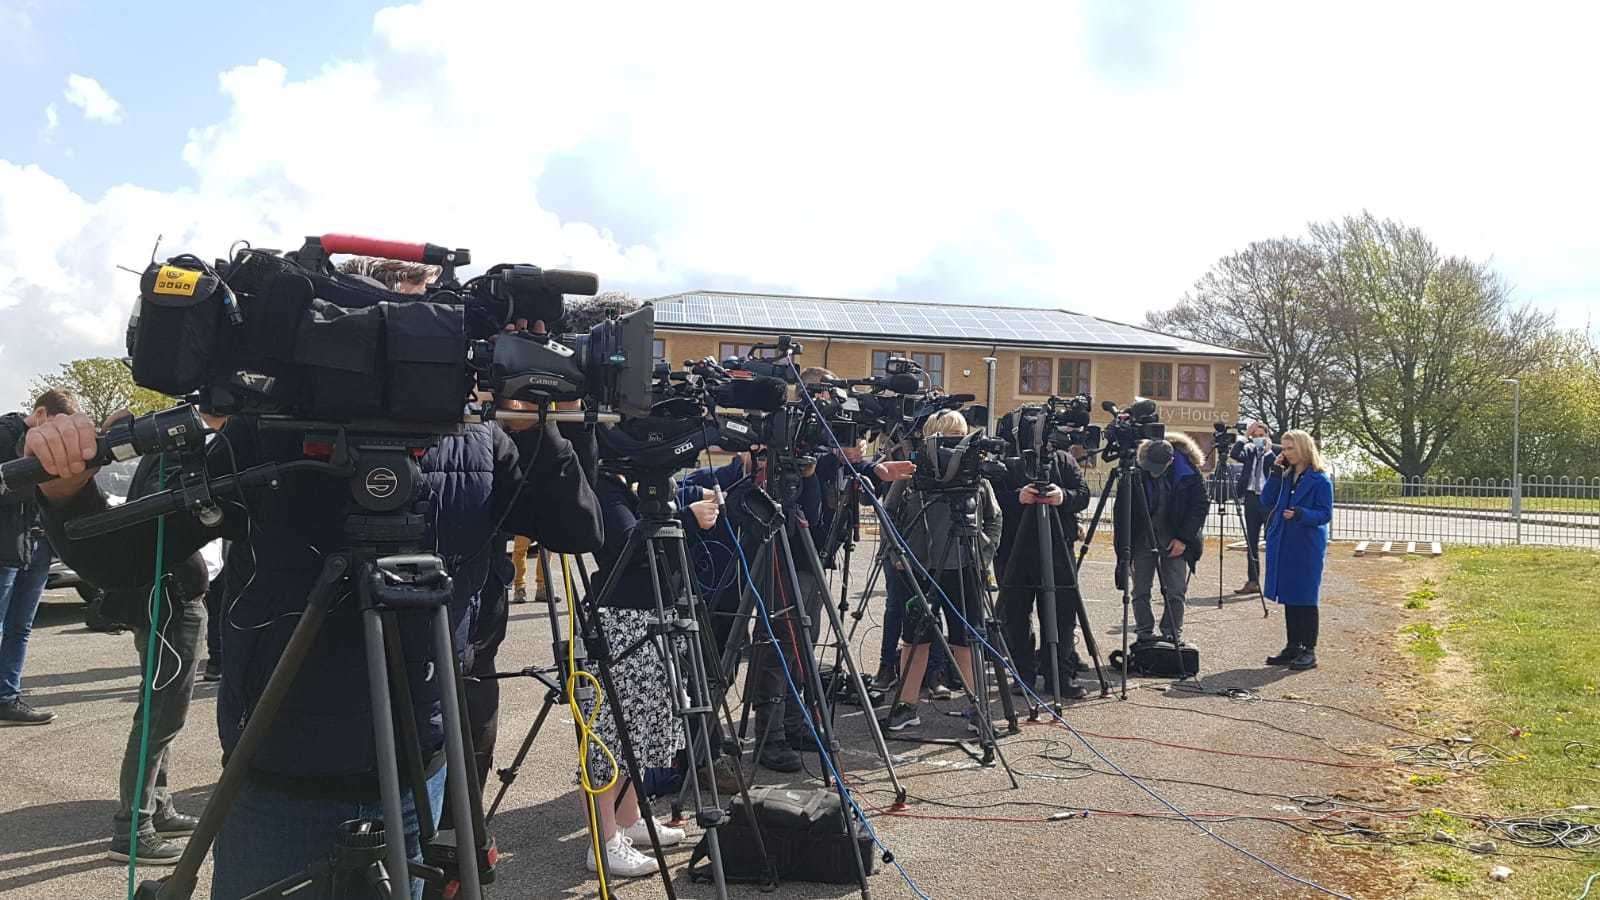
[(894, 320)]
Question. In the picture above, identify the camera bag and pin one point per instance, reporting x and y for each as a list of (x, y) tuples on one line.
[(179, 316), (339, 348), (804, 833), (1160, 659), (425, 361)]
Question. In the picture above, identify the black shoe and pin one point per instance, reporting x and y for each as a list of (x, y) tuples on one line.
[(1306, 660), (886, 677), (18, 712), (901, 715), (174, 824), (213, 670), (1072, 691), (154, 850), (780, 758), (1285, 656), (1020, 686)]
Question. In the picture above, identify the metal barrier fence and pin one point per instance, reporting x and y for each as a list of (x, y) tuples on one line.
[(1546, 511)]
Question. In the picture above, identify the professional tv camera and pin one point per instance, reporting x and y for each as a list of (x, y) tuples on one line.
[(1141, 421), (285, 335)]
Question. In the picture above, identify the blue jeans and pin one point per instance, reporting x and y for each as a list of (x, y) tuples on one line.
[(270, 835), (897, 593), (20, 590)]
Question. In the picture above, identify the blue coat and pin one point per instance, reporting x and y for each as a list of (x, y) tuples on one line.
[(1296, 547)]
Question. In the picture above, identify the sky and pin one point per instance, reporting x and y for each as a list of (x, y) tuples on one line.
[(1096, 157)]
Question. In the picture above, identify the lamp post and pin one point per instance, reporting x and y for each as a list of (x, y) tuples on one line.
[(989, 363), (1516, 448)]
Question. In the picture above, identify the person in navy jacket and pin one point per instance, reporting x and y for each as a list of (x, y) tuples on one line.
[(1298, 497)]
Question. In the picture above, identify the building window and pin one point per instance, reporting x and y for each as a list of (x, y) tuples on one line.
[(1194, 383), (1155, 380), (932, 363), (1072, 377), (658, 350), (726, 350), (1033, 375)]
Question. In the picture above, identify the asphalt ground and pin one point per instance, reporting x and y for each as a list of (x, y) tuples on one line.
[(967, 833)]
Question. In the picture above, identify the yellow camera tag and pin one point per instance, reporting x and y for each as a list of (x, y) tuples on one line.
[(176, 282)]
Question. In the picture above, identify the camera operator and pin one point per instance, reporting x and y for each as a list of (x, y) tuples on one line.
[(1021, 582), (178, 633), (640, 679), (317, 767), (1256, 458), (24, 564), (927, 528), (1167, 546)]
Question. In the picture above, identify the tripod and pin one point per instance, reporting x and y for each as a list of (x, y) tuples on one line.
[(1128, 480), (1045, 526), (388, 576), (1221, 490), (965, 539)]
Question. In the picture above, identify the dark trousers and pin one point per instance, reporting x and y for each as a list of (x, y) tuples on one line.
[(898, 593), (1017, 604), (1254, 518), (177, 645), (769, 691), (1302, 624), (216, 610)]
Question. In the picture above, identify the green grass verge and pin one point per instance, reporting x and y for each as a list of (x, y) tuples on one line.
[(1527, 621), (1493, 503)]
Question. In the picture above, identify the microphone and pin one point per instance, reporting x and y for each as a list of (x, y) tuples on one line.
[(1109, 407)]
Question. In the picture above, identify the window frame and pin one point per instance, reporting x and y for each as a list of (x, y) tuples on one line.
[(1084, 377), (1178, 383), (658, 357), (879, 368), (1170, 380), (1049, 375)]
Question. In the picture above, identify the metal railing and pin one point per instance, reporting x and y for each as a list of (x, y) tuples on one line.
[(1554, 511)]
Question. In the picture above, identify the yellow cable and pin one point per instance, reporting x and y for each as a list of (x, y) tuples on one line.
[(585, 724)]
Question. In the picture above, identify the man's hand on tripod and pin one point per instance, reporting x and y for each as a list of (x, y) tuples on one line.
[(1030, 495), (63, 445), (895, 470), (706, 512)]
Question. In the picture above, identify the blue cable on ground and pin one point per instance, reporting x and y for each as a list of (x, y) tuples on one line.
[(822, 746), (887, 526)]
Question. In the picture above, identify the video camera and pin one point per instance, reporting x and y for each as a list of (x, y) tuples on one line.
[(285, 335), (1141, 421)]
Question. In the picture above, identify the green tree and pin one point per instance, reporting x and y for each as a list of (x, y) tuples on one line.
[(1423, 337), (1560, 424), (102, 386)]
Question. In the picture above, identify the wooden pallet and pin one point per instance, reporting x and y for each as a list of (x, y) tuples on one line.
[(1400, 548)]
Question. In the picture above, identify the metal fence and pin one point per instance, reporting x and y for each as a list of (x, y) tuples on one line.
[(1546, 511)]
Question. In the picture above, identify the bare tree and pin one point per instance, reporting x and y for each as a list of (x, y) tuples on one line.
[(581, 315), (1266, 299), (1423, 337)]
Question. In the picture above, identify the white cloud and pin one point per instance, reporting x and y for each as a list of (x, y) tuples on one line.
[(52, 119), (96, 102), (1035, 156)]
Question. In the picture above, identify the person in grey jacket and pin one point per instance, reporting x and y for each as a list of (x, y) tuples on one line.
[(959, 576)]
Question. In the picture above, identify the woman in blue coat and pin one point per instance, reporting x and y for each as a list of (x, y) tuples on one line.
[(1298, 500)]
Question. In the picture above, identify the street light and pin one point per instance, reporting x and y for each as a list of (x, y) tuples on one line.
[(1516, 448)]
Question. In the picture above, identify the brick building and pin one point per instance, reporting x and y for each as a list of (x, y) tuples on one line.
[(1038, 352)]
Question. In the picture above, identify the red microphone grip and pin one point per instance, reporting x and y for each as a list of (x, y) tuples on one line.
[(432, 254)]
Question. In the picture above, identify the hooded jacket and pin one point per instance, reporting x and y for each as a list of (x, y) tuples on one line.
[(18, 513), (322, 739), (1176, 499)]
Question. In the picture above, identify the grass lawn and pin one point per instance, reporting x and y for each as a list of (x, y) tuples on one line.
[(1525, 623), (1590, 505)]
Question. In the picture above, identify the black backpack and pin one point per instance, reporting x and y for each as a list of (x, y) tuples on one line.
[(804, 833)]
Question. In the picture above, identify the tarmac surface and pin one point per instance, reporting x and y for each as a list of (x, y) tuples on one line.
[(988, 840)]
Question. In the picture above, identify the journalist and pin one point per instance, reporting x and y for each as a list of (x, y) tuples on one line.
[(1255, 457), (317, 767), (1020, 570), (1167, 543), (25, 557), (1298, 496), (926, 527)]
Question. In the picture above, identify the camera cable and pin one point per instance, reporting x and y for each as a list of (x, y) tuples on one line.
[(585, 724)]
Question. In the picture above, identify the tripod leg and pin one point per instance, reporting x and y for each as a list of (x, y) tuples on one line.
[(1049, 629), (383, 733), (457, 762), (409, 742), (509, 773), (180, 884)]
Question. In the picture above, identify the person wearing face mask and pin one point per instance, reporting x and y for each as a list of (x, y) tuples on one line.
[(1255, 457), (1298, 497)]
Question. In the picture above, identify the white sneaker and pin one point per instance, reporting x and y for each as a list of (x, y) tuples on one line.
[(639, 833), (622, 860)]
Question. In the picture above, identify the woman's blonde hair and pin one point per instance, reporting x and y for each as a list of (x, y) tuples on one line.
[(945, 422), (1307, 445)]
